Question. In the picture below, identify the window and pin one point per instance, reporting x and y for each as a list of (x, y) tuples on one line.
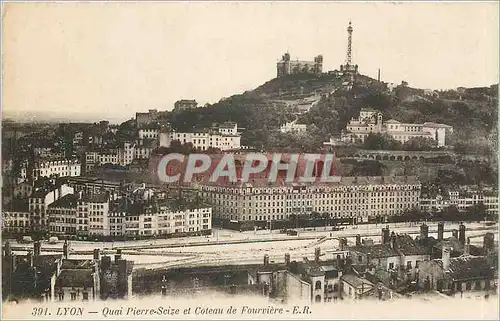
[(73, 296), (417, 263), (318, 285), (391, 266), (318, 298), (85, 296), (408, 264), (360, 258), (336, 288)]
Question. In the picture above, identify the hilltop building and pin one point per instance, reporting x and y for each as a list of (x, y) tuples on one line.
[(286, 66), (370, 122), (185, 104), (293, 127)]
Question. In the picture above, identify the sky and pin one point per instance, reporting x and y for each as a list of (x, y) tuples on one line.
[(109, 60)]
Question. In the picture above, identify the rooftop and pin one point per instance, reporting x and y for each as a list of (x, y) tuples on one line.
[(355, 281), (17, 205), (345, 181), (77, 264), (80, 278), (67, 201), (469, 267), (409, 246), (376, 250)]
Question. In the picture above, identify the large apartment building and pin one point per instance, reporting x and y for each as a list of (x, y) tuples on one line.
[(461, 200), (141, 213), (164, 220), (53, 168), (355, 198), (225, 137), (39, 202), (121, 156)]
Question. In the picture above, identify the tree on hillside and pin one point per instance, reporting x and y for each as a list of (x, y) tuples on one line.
[(420, 144), (368, 168), (378, 100), (381, 142)]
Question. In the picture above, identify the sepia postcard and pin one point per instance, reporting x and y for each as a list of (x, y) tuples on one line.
[(250, 160)]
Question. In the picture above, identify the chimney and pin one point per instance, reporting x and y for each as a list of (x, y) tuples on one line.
[(446, 258), (97, 254), (37, 248), (454, 233), (461, 235), (467, 247), (65, 249), (386, 235), (488, 242), (317, 254), (393, 240), (358, 240), (118, 255), (7, 249), (106, 262), (424, 231), (29, 258), (440, 231), (378, 75), (348, 264), (13, 262), (266, 259), (341, 264), (287, 259)]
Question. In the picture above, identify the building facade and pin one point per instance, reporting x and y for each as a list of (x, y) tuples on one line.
[(293, 127), (39, 203), (356, 198), (225, 137), (185, 104), (164, 221), (286, 66), (370, 122), (58, 168), (462, 201)]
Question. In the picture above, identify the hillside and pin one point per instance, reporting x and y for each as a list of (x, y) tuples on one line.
[(326, 105)]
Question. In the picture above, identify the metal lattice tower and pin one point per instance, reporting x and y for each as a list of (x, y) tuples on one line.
[(348, 59)]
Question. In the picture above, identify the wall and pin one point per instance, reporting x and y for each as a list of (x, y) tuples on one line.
[(297, 290), (432, 270)]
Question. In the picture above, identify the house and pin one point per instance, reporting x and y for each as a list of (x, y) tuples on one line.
[(355, 287), (76, 280), (459, 274)]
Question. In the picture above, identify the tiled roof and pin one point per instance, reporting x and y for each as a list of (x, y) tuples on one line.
[(430, 124), (470, 267), (451, 242), (17, 205), (75, 278), (409, 246), (77, 264), (67, 201), (376, 251), (355, 281)]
